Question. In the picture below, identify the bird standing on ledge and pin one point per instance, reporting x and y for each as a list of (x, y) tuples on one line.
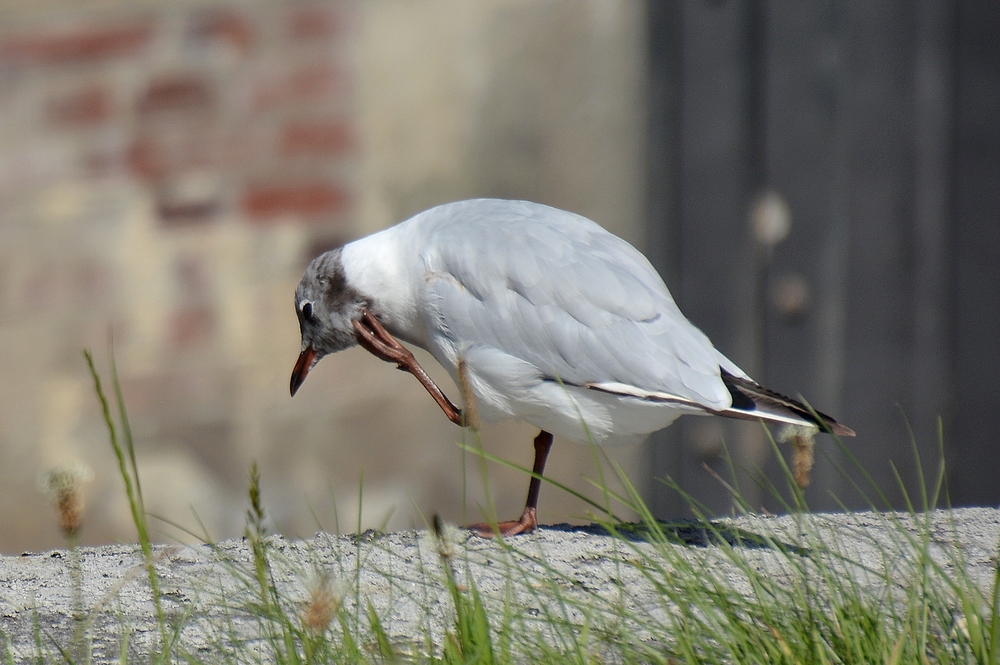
[(552, 319)]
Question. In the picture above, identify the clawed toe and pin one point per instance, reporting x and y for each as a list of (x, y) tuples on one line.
[(526, 524)]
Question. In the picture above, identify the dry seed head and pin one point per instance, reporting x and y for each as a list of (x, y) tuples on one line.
[(64, 485), (802, 439), (787, 433), (445, 538), (324, 601)]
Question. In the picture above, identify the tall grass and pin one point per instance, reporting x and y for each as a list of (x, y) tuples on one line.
[(738, 590), (123, 445)]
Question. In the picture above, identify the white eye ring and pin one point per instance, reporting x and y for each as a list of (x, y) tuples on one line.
[(306, 307)]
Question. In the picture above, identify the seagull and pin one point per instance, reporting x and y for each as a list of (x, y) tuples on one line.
[(537, 314)]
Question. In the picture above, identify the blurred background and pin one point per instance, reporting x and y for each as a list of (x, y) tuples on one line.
[(817, 182)]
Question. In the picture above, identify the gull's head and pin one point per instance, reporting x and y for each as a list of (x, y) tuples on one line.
[(327, 307)]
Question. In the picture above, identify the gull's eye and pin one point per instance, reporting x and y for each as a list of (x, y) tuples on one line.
[(307, 310)]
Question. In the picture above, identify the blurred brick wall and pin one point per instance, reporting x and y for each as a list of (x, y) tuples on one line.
[(166, 171)]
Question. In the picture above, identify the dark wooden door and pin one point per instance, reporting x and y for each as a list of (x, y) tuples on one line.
[(872, 130)]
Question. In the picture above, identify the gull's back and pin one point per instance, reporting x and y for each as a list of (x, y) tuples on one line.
[(540, 294)]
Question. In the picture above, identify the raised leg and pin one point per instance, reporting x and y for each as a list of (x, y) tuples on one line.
[(375, 339), (529, 518)]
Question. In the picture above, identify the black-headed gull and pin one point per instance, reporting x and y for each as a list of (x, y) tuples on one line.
[(542, 314)]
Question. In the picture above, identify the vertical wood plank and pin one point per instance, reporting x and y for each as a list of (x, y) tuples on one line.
[(879, 336), (666, 47), (808, 167), (976, 455), (932, 374), (717, 179)]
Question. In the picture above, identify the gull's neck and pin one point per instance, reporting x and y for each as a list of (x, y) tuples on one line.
[(382, 267)]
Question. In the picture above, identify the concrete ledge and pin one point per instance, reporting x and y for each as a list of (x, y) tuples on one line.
[(207, 590)]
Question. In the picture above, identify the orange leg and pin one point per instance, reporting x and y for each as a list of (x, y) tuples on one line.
[(529, 518), (375, 339), (378, 341)]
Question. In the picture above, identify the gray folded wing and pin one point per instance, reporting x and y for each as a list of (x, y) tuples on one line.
[(557, 291)]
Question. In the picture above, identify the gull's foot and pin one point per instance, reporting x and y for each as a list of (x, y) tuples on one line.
[(526, 524)]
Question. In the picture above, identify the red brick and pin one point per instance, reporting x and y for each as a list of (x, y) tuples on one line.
[(39, 290), (91, 283), (171, 395), (176, 93), (264, 201), (191, 326), (228, 27), (312, 23), (317, 138), (186, 213), (153, 157), (101, 163), (51, 285), (192, 277), (77, 44), (86, 107), (302, 86), (148, 159), (241, 144)]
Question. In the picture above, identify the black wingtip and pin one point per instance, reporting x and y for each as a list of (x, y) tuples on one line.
[(747, 395), (837, 428)]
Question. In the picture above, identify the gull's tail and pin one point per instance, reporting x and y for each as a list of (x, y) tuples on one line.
[(752, 401)]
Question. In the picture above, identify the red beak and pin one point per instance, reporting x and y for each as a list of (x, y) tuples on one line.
[(305, 363)]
